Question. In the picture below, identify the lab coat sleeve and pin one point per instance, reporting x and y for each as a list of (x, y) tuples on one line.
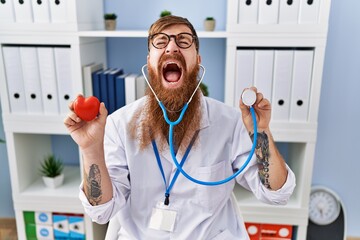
[(250, 179), (116, 163)]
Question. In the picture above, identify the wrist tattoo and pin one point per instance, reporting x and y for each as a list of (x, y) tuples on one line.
[(262, 157), (93, 185)]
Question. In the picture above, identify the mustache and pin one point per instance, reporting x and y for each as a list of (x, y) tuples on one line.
[(176, 56)]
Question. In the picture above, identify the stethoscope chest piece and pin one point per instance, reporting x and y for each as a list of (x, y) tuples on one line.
[(248, 97)]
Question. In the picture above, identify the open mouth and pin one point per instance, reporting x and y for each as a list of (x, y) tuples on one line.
[(172, 72)]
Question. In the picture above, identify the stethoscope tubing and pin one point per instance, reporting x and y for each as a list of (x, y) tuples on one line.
[(174, 123)]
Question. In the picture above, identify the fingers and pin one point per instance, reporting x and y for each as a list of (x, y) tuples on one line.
[(71, 119)]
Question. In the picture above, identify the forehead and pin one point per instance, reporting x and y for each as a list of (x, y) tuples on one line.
[(176, 29)]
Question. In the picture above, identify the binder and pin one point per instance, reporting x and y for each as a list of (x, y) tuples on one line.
[(268, 11), (120, 99), (31, 75), (104, 87), (244, 72), (141, 86), (289, 12), (301, 84), (264, 61), (23, 11), (77, 227), (7, 14), (61, 226), (41, 11), (283, 67), (88, 71), (248, 11), (58, 11), (130, 88), (48, 80), (309, 11), (14, 79), (96, 76), (111, 88), (64, 77)]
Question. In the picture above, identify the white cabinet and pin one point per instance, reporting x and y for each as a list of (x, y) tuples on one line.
[(31, 27), (298, 41)]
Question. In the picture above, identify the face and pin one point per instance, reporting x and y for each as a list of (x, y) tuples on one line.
[(172, 62)]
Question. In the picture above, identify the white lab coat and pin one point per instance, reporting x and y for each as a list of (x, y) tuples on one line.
[(203, 212)]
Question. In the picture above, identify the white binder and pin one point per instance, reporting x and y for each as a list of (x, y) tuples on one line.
[(263, 76), (7, 14), (141, 86), (48, 80), (23, 11), (248, 11), (309, 11), (87, 76), (301, 84), (130, 88), (289, 12), (30, 67), (268, 11), (64, 77), (58, 11), (14, 79), (41, 11), (244, 75), (283, 65)]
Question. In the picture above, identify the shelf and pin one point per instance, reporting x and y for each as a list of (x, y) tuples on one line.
[(42, 124), (63, 197), (144, 34), (253, 209)]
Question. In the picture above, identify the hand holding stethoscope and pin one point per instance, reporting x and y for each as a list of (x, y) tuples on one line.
[(261, 105)]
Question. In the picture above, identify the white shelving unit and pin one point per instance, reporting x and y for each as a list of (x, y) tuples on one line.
[(28, 136), (299, 137)]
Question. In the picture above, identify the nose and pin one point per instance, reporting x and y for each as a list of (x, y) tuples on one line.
[(172, 47)]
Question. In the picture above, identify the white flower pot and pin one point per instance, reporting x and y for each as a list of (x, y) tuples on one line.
[(54, 182)]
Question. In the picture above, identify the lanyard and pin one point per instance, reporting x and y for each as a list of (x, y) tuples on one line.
[(172, 182)]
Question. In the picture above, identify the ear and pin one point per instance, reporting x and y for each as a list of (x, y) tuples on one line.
[(198, 59)]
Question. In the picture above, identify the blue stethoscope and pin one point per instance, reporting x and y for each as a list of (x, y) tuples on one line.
[(248, 97)]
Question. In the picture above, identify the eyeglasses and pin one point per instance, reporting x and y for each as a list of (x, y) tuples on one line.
[(182, 40)]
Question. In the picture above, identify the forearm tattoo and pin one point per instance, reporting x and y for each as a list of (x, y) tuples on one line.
[(93, 185), (262, 157)]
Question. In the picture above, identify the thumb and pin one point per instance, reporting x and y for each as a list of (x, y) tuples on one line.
[(102, 113)]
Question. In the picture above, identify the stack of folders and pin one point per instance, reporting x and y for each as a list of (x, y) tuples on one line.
[(113, 86), (283, 75), (39, 79), (33, 11), (278, 12)]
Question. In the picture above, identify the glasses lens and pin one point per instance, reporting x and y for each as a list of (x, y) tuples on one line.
[(184, 40), (160, 40)]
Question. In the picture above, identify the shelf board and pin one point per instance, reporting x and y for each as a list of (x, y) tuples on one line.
[(67, 194), (143, 34), (253, 210)]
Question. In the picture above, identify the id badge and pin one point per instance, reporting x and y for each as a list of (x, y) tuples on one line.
[(162, 218)]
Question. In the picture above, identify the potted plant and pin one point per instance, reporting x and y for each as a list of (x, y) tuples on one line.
[(52, 171), (209, 24), (204, 89), (110, 21), (165, 13)]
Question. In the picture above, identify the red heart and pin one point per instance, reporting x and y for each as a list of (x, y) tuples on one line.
[(86, 108)]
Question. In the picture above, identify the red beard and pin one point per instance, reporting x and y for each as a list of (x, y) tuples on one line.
[(152, 124)]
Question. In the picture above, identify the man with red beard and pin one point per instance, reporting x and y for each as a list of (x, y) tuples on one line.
[(129, 173)]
